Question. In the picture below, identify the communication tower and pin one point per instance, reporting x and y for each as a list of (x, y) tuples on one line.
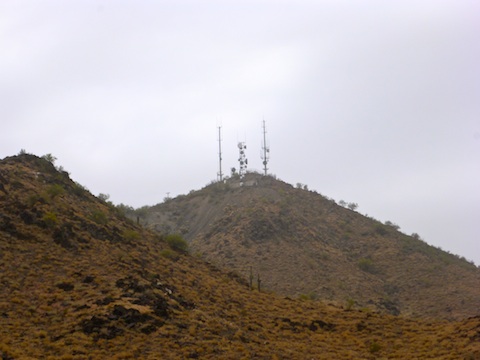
[(220, 174), (265, 149), (242, 159)]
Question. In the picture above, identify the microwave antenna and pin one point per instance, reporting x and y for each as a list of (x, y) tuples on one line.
[(242, 159), (220, 173), (266, 150)]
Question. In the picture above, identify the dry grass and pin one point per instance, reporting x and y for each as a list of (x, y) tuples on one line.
[(81, 290)]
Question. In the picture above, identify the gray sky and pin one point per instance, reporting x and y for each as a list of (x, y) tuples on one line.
[(373, 102)]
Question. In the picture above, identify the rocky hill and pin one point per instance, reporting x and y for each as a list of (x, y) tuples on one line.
[(301, 243), (81, 281)]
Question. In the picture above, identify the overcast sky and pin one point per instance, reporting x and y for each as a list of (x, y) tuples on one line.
[(373, 102)]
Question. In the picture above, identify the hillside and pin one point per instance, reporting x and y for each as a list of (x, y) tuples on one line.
[(303, 244), (80, 281)]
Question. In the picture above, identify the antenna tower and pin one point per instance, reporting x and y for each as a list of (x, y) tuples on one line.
[(242, 159), (220, 174), (266, 150)]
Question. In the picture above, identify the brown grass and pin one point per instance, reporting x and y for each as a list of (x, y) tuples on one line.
[(96, 292)]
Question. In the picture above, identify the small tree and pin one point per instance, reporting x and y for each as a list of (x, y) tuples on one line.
[(50, 158), (391, 224), (416, 236), (352, 206), (103, 197)]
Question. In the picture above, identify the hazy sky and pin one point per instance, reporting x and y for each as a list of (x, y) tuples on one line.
[(373, 102)]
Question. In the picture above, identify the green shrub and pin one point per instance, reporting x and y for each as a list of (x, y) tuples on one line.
[(103, 197), (35, 198), (381, 230), (131, 235), (366, 265), (99, 217), (392, 225), (80, 190), (55, 190), (310, 296), (50, 219), (374, 347), (169, 254), (50, 158), (177, 242)]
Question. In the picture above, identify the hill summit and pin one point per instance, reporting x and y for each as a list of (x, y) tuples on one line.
[(300, 243), (81, 281)]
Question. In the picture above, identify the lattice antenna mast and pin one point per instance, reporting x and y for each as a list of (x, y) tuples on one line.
[(266, 150), (220, 173), (242, 159)]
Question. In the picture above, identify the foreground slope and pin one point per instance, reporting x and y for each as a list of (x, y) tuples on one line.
[(79, 281), (303, 244)]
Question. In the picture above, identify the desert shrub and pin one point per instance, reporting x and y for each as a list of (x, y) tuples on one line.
[(104, 197), (124, 209), (79, 189), (169, 254), (416, 236), (50, 219), (142, 211), (55, 190), (50, 158), (381, 230), (374, 347), (99, 217), (177, 242), (366, 265), (37, 198), (393, 225), (352, 206), (131, 235), (350, 303), (310, 296)]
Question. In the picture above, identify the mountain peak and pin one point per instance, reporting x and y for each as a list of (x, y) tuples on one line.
[(302, 243)]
